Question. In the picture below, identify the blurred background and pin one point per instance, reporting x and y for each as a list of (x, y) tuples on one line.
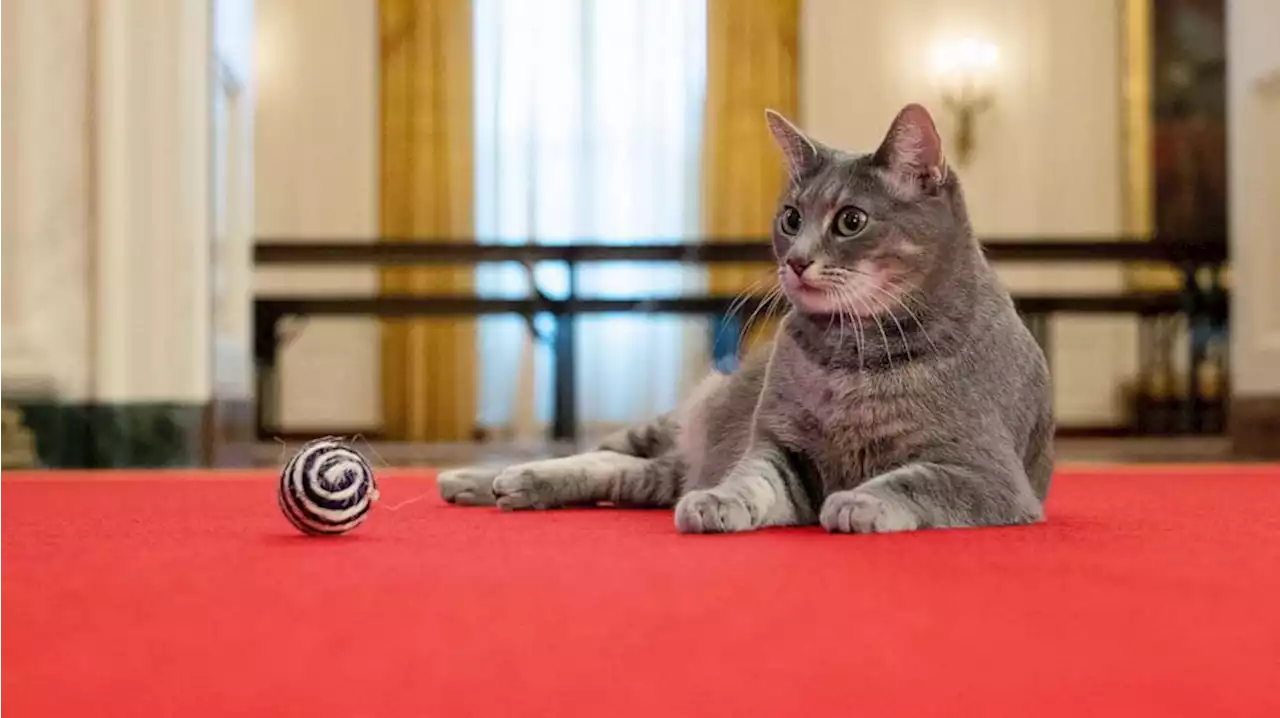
[(467, 229)]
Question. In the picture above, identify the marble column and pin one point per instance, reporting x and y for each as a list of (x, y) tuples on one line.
[(106, 225), (47, 219), (153, 220), (47, 227)]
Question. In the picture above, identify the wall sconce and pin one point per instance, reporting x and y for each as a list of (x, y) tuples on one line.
[(964, 70)]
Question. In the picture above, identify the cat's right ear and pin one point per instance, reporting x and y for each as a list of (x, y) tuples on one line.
[(800, 151), (911, 156)]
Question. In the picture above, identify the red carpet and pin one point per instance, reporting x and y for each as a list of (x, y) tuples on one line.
[(1149, 592)]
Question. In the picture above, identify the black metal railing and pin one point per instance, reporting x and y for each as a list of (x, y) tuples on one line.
[(1200, 304)]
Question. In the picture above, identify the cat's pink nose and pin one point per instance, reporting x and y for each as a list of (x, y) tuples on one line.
[(799, 265)]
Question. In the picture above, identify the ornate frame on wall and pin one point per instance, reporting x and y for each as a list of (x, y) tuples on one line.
[(1136, 54), (1140, 130), (1137, 128)]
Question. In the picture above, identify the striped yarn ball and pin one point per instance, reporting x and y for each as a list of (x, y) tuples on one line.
[(327, 488)]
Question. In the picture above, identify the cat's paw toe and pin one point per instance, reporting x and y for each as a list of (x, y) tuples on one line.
[(862, 512), (468, 487), (713, 512), (521, 488)]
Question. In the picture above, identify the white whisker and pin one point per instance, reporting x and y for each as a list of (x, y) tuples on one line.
[(906, 345), (905, 291), (743, 296), (768, 300), (888, 351), (898, 298), (840, 313), (858, 335), (740, 301)]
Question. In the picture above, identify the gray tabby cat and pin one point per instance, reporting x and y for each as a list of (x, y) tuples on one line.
[(902, 391)]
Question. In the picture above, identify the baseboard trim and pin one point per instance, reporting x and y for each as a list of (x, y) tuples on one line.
[(229, 432), (97, 435), (1255, 427)]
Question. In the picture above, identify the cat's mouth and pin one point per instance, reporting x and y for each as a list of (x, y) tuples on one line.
[(824, 296), (809, 296)]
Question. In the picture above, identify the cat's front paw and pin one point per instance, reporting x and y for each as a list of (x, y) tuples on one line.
[(524, 487), (862, 512), (468, 487), (700, 512)]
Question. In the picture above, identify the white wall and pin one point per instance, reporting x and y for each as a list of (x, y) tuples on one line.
[(1049, 153), (316, 177), (9, 255), (1254, 134)]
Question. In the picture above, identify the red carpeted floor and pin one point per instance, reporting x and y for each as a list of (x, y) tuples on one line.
[(1149, 592)]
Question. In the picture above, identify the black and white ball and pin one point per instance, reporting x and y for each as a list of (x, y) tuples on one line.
[(327, 488)]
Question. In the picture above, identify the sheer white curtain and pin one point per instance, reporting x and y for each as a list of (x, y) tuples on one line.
[(588, 128)]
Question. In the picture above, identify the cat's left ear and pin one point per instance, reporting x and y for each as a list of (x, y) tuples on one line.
[(911, 155), (800, 151)]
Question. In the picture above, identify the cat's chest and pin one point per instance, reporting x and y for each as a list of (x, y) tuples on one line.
[(851, 426), (854, 408)]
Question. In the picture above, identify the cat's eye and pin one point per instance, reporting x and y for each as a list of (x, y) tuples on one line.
[(789, 221), (849, 222)]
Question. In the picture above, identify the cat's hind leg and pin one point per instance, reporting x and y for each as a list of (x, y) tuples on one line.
[(648, 440), (590, 479), (473, 485)]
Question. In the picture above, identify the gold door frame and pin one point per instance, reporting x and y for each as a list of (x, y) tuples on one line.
[(1137, 133)]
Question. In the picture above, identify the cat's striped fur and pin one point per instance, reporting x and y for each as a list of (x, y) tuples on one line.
[(901, 392)]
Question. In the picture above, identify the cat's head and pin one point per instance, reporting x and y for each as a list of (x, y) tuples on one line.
[(854, 232)]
